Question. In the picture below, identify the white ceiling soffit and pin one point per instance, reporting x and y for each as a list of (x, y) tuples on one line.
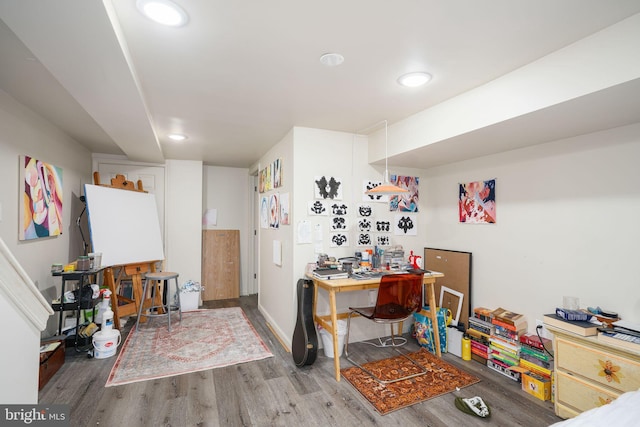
[(81, 50), (605, 109), (242, 74)]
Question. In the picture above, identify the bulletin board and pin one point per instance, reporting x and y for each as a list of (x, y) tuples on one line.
[(124, 225), (456, 267)]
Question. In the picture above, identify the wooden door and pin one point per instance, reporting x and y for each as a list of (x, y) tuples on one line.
[(220, 264)]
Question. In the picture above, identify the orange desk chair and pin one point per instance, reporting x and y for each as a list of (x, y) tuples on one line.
[(399, 296)]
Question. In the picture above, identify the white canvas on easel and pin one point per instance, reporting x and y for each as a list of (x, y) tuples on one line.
[(124, 225)]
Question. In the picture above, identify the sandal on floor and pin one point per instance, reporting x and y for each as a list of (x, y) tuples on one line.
[(473, 406)]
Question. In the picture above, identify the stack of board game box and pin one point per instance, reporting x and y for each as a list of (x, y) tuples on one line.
[(536, 359), (504, 344), (480, 330)]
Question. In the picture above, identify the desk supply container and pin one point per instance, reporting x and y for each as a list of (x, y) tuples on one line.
[(95, 260), (83, 263)]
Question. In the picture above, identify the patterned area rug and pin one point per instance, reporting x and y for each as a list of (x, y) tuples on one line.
[(205, 339), (441, 378)]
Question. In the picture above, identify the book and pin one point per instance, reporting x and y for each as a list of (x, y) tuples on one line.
[(479, 352), (482, 326), (504, 358), (585, 329), (503, 369), (536, 369), (535, 341), (506, 317), (535, 353), (478, 345), (49, 346), (620, 340), (330, 273), (518, 330), (627, 325), (528, 358), (502, 343), (478, 336), (509, 334), (483, 313)]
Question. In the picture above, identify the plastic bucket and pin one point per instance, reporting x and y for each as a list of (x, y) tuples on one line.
[(327, 339), (105, 343)]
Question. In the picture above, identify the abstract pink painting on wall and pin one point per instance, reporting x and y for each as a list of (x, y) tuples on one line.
[(407, 202), (477, 202), (41, 204)]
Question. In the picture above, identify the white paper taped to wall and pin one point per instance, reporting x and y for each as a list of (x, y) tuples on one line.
[(304, 232), (210, 218), (318, 239)]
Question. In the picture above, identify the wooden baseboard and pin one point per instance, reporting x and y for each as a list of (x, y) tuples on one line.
[(287, 349)]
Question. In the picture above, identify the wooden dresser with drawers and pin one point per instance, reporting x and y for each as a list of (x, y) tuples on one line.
[(590, 373)]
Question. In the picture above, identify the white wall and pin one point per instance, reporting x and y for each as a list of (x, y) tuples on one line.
[(566, 224), (317, 152), (183, 216), (344, 155), (227, 190), (276, 296), (19, 358), (22, 132), (566, 214)]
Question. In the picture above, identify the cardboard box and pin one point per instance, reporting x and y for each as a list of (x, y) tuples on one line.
[(536, 385), (50, 361)]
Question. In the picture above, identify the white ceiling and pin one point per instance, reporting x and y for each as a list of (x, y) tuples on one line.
[(241, 74)]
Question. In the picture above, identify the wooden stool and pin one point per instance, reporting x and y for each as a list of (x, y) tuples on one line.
[(166, 306)]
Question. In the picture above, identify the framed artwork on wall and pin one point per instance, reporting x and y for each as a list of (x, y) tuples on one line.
[(477, 202), (40, 207), (407, 202)]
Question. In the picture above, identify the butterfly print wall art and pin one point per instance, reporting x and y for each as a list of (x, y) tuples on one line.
[(328, 188), (317, 207)]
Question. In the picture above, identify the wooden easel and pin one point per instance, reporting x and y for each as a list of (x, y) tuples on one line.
[(123, 306)]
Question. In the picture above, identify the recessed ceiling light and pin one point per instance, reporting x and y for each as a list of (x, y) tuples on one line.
[(177, 136), (414, 79), (331, 59), (164, 12)]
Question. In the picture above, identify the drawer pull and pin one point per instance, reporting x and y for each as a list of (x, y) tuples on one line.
[(609, 371)]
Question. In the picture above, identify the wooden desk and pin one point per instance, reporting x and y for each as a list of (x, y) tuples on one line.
[(348, 285)]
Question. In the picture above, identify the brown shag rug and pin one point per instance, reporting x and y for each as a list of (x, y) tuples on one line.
[(441, 378)]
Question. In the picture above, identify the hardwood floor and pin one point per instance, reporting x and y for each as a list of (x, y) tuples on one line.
[(272, 392)]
